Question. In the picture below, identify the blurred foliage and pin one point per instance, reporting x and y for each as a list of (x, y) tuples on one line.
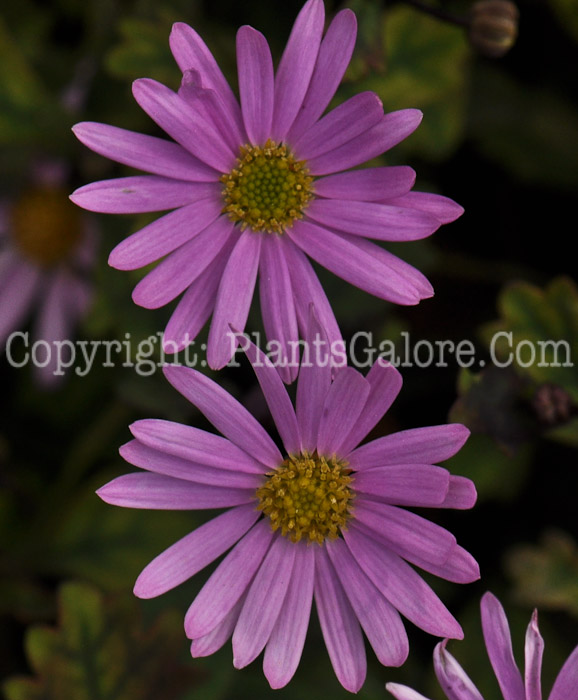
[(102, 650), (546, 575)]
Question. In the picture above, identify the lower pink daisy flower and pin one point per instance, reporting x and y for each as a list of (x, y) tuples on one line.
[(323, 520), (458, 686), (259, 187), (47, 252)]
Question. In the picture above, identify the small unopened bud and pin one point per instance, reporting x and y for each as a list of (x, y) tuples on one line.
[(493, 26)]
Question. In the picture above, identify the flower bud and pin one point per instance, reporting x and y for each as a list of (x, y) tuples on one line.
[(493, 26)]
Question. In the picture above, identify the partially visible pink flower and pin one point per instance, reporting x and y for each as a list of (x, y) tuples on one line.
[(458, 686), (324, 519), (259, 187), (47, 253)]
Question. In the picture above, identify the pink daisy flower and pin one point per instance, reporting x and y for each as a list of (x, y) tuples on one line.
[(257, 188), (46, 254), (458, 686), (323, 519)]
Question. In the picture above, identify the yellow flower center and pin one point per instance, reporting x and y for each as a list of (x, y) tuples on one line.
[(307, 497), (45, 225), (268, 189)]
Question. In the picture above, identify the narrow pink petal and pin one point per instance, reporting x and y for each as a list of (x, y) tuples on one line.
[(393, 128), (379, 619), (313, 383), (566, 684), (164, 235), (443, 208), (155, 491), (191, 53), (307, 290), (370, 269), (339, 625), (402, 692), (461, 495), (210, 643), (18, 288), (384, 382), (211, 105), (196, 304), (367, 185), (296, 66), (256, 83), (193, 552), (344, 123), (229, 581), (401, 585), (404, 532), (263, 602), (459, 567), (194, 444), (415, 446), (184, 124), (225, 413), (140, 455), (421, 485), (175, 273), (233, 298), (454, 681), (140, 193), (371, 219), (285, 645), (276, 396), (344, 403), (533, 652), (332, 61), (278, 306), (499, 646), (143, 152)]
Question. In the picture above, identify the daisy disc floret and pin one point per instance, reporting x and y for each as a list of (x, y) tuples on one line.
[(257, 185), (457, 685), (321, 519)]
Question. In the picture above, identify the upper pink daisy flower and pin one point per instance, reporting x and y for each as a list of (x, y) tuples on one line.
[(47, 252), (259, 186), (324, 519), (458, 686)]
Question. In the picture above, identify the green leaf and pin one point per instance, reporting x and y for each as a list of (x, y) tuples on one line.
[(546, 575), (101, 650), (537, 333), (427, 68)]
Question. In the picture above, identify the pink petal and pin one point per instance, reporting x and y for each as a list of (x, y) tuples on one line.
[(380, 621), (158, 492), (332, 61), (344, 123), (444, 209), (405, 485), (143, 152), (367, 185), (194, 445), (566, 683), (233, 298), (402, 692), (140, 193), (339, 625), (296, 66), (229, 582), (263, 602), (194, 552), (285, 645), (225, 413), (461, 495), (499, 646), (454, 681), (343, 404), (210, 643), (534, 649), (256, 83), (18, 288), (164, 235), (416, 446)]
